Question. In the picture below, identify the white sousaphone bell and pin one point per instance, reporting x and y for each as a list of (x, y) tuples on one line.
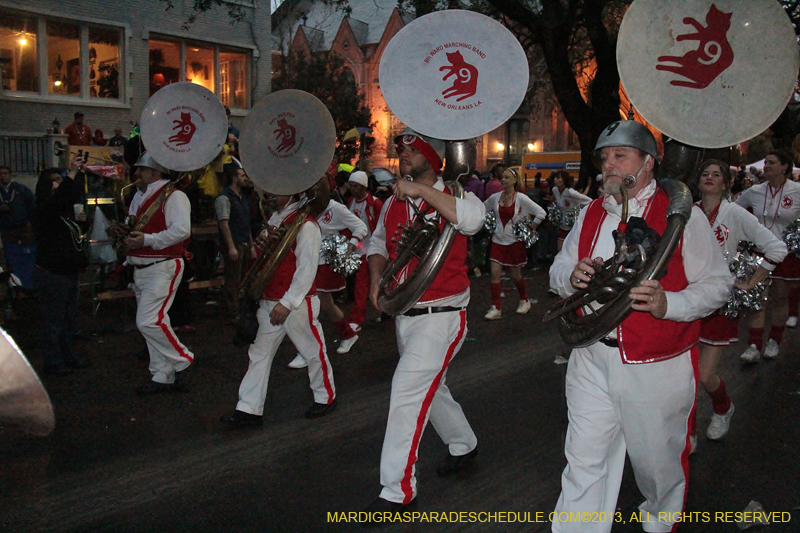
[(183, 126), (452, 75), (23, 400)]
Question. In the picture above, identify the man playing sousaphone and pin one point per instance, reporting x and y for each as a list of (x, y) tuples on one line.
[(289, 305), (429, 334), (156, 253), (635, 389)]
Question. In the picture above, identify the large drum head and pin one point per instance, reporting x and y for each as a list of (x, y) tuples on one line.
[(709, 73), (287, 141), (454, 74), (184, 126), (23, 400)]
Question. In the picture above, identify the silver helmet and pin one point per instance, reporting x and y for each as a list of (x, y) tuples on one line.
[(147, 161), (627, 133)]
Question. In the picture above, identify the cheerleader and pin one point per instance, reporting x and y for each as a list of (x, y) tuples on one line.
[(566, 199), (776, 204), (335, 219), (730, 224), (510, 206)]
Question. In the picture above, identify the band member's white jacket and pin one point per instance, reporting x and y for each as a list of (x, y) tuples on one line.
[(523, 207)]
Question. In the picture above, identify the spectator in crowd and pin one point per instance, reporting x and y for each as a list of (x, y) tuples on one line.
[(368, 167), (231, 128), (494, 186), (16, 213), (117, 139), (342, 191), (78, 133), (236, 242), (60, 258), (98, 139), (474, 185)]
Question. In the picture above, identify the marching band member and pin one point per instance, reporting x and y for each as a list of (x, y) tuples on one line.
[(289, 306), (332, 221), (507, 252), (634, 390), (776, 204), (566, 198), (730, 224), (431, 333), (367, 208), (157, 256)]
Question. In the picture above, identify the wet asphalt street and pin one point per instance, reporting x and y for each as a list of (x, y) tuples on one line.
[(120, 463)]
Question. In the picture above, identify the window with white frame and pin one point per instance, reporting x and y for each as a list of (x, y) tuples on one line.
[(219, 69), (48, 57)]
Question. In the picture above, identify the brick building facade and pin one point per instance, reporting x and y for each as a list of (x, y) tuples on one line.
[(105, 59)]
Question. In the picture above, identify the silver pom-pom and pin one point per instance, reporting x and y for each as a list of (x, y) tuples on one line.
[(569, 216), (524, 232), (791, 236), (335, 253), (490, 221), (554, 214), (743, 265)]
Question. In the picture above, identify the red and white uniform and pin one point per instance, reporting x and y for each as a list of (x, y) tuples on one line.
[(636, 397), (165, 238), (292, 286), (506, 249), (368, 211), (775, 209), (730, 224), (567, 200), (427, 344), (333, 221)]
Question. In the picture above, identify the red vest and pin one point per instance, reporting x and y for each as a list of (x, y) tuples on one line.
[(642, 337), (452, 278), (282, 278), (157, 224)]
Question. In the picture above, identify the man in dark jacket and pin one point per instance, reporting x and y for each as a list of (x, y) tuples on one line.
[(60, 258)]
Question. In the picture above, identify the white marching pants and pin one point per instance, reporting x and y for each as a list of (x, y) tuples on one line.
[(304, 330), (155, 288), (643, 409), (427, 344)]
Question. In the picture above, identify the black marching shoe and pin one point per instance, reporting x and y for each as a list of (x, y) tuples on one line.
[(183, 377), (321, 409), (154, 387), (240, 419), (453, 463), (379, 506)]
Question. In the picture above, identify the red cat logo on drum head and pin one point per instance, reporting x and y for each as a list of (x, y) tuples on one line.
[(712, 57), (466, 82)]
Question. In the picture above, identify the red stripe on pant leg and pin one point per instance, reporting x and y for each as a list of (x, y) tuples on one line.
[(695, 355), (322, 359), (405, 483), (173, 340)]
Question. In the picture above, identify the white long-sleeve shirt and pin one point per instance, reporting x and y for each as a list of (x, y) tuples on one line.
[(523, 207), (307, 245), (470, 213), (774, 209), (569, 199), (734, 223), (336, 218), (177, 214), (710, 281)]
